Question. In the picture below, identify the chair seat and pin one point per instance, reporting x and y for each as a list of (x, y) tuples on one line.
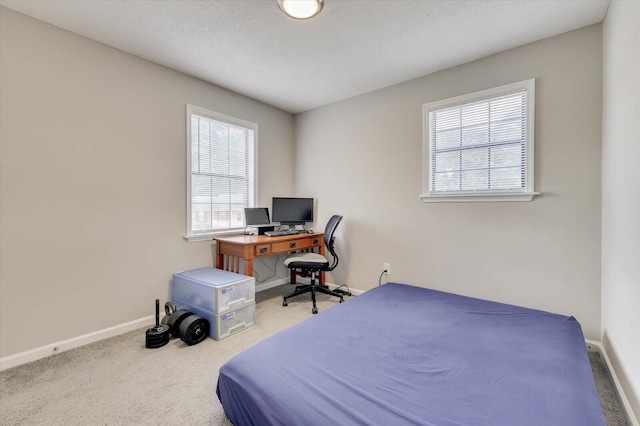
[(306, 261)]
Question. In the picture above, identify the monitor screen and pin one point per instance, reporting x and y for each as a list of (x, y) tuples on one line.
[(256, 216), (292, 211)]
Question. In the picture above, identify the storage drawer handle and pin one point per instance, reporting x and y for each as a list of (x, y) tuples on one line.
[(237, 327), (263, 249), (316, 241), (238, 302), (292, 245)]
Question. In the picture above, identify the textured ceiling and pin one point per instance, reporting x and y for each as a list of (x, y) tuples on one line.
[(352, 47)]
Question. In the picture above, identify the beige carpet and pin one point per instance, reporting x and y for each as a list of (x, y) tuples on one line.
[(119, 382)]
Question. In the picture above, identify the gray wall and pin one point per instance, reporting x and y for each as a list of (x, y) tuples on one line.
[(93, 185), (362, 158), (621, 196), (94, 181)]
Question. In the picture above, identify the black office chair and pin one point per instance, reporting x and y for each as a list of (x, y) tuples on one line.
[(315, 263)]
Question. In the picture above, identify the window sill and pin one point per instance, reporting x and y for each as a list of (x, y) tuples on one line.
[(210, 236), (471, 197), (197, 238)]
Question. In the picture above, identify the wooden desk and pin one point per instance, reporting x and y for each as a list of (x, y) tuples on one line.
[(229, 250)]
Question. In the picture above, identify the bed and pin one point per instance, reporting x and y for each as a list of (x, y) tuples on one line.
[(404, 355)]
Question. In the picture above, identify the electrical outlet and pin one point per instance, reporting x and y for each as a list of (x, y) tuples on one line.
[(386, 267)]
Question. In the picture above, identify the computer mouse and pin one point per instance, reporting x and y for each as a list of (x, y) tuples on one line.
[(310, 231)]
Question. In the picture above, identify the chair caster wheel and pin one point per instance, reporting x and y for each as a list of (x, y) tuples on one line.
[(284, 303), (314, 311), (341, 300), (349, 294)]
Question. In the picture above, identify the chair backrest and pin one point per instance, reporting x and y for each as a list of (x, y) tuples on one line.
[(329, 230)]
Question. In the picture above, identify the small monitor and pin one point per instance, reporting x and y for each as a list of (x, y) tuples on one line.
[(256, 216), (292, 211)]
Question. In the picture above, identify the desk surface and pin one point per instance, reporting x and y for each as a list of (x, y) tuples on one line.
[(230, 250), (263, 239)]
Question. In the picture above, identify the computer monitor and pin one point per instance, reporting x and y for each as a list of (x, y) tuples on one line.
[(256, 216), (292, 211)]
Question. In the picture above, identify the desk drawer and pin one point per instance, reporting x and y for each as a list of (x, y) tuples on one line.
[(300, 244), (263, 250)]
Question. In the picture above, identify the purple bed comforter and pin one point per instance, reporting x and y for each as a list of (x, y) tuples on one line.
[(404, 355)]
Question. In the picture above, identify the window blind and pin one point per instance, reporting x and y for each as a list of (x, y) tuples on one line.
[(221, 174), (479, 145)]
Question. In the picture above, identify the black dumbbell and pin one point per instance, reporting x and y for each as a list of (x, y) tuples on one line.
[(186, 325), (193, 329)]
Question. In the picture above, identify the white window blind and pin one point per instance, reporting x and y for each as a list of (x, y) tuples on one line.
[(480, 145), (222, 171)]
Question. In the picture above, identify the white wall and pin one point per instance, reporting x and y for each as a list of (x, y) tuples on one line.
[(93, 183), (544, 254), (621, 195)]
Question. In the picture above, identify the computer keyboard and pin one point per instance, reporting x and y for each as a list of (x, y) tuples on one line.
[(276, 233), (281, 233)]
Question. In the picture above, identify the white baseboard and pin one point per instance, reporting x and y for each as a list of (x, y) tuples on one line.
[(593, 346), (302, 280), (65, 345), (353, 291), (269, 284)]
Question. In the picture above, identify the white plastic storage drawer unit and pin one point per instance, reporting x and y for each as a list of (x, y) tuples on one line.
[(213, 290), (224, 324)]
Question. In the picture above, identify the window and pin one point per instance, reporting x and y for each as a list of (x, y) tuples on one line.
[(479, 147), (221, 172)]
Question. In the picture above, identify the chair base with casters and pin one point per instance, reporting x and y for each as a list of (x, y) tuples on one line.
[(306, 274), (312, 288), (313, 263)]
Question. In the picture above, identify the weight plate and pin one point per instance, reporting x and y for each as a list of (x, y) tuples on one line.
[(194, 329), (165, 320), (157, 337), (176, 319)]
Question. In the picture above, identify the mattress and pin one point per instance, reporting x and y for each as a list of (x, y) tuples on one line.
[(404, 355)]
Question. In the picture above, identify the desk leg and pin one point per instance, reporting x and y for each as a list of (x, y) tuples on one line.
[(231, 263), (248, 267)]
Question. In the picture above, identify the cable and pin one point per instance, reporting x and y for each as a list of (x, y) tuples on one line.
[(380, 278), (339, 289), (273, 270), (257, 275)]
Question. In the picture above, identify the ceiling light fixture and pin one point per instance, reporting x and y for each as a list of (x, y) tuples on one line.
[(300, 9)]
